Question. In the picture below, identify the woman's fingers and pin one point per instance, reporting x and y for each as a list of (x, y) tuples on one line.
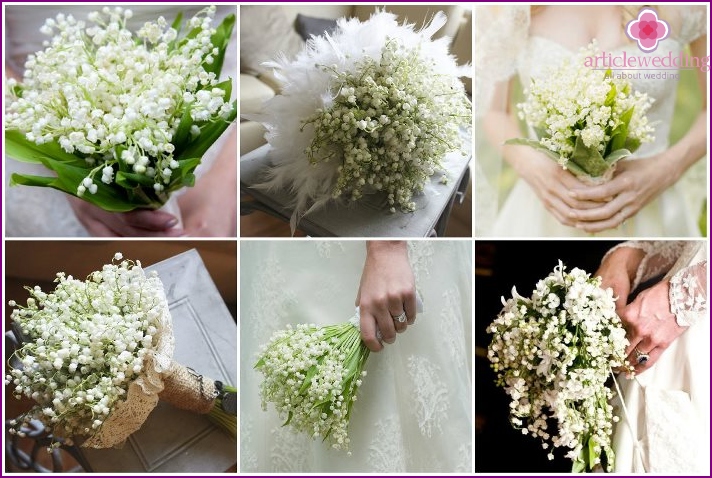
[(642, 359), (410, 306), (369, 332)]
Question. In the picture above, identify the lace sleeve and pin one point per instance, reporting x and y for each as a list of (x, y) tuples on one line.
[(501, 33), (694, 22), (688, 294), (659, 257)]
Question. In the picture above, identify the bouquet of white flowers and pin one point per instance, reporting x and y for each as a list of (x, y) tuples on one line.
[(96, 356), (553, 354), (122, 119), (585, 119), (372, 107), (312, 375)]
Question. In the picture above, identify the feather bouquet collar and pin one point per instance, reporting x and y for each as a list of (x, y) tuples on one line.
[(372, 108)]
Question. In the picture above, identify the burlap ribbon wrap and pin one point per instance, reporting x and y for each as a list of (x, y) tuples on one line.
[(188, 390)]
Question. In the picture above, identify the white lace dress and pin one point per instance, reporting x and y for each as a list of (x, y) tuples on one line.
[(667, 430), (413, 412), (673, 214), (45, 212)]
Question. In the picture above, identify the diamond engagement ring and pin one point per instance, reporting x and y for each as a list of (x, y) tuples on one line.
[(640, 357), (401, 318)]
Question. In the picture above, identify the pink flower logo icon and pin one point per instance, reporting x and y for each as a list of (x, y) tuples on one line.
[(647, 29)]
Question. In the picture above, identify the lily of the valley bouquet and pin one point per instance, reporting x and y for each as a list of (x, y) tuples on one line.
[(312, 375), (585, 119), (122, 119), (373, 107), (96, 356), (553, 354)]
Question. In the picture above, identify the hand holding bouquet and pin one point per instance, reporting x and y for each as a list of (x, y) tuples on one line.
[(553, 354), (585, 119), (312, 375), (96, 356), (373, 107), (122, 119)]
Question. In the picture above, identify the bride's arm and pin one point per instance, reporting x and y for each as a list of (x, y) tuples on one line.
[(551, 183), (387, 289), (636, 183)]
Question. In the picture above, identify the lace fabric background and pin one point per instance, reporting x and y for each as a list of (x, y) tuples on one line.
[(44, 212), (505, 47), (413, 412)]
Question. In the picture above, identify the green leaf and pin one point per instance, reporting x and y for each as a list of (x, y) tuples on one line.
[(534, 144), (592, 454), (220, 39), (30, 180), (182, 135), (209, 133), (616, 156), (133, 180), (588, 159), (307, 380), (178, 22), (183, 174), (632, 144), (68, 179), (289, 419), (540, 132), (611, 96), (20, 148)]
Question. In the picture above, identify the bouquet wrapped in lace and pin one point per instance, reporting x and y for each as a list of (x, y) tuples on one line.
[(122, 119), (96, 356), (553, 354), (372, 107), (585, 119)]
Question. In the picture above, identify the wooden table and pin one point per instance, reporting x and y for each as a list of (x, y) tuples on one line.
[(368, 217)]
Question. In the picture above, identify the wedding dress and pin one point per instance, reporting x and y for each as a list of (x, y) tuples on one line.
[(666, 427), (413, 412), (45, 212), (505, 48)]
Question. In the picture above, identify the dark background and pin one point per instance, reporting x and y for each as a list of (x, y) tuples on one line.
[(499, 265)]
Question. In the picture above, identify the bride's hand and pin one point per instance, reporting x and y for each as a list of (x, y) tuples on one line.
[(634, 184), (650, 325), (136, 223), (553, 185), (618, 270), (387, 289)]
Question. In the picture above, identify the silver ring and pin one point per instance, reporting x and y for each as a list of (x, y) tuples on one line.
[(401, 319), (640, 357)]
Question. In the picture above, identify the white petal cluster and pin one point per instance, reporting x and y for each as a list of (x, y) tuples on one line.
[(574, 100), (553, 354), (83, 343), (116, 98), (312, 375), (389, 125)]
